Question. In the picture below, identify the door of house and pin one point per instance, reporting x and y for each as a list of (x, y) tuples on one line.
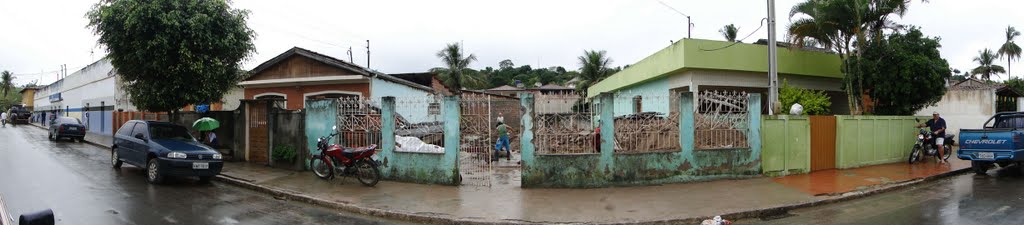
[(823, 142), (257, 132)]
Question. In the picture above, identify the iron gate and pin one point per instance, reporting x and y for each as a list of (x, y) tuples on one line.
[(480, 114)]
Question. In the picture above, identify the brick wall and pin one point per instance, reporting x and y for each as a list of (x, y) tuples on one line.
[(295, 93)]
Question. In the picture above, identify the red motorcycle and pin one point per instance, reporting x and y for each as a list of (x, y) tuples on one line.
[(356, 162)]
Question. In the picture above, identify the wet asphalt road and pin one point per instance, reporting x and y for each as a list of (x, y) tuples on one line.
[(77, 182), (996, 198)]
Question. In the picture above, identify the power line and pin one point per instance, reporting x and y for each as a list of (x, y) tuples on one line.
[(739, 41), (689, 25)]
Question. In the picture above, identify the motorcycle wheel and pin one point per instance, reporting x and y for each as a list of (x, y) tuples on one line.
[(321, 168), (367, 173), (947, 150), (914, 155)]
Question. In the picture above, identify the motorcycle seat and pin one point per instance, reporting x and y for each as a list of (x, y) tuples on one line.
[(950, 136), (354, 150)]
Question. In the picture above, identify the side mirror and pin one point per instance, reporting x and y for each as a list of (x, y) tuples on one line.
[(140, 137)]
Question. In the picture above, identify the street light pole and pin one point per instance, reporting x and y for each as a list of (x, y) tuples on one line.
[(773, 71)]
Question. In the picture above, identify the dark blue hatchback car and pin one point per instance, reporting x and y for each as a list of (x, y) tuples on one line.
[(164, 149)]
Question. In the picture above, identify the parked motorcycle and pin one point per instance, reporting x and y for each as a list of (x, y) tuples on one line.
[(334, 159), (925, 146)]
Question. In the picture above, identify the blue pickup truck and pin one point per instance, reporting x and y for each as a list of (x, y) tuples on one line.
[(999, 142)]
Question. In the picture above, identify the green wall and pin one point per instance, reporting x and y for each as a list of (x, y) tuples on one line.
[(431, 168), (321, 115), (692, 54), (789, 151), (872, 140), (615, 169)]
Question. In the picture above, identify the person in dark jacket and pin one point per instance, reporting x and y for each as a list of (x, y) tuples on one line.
[(938, 127)]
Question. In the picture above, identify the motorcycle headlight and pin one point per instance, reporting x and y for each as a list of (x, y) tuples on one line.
[(176, 155), (920, 136), (217, 156)]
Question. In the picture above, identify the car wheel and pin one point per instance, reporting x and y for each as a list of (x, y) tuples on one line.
[(153, 172), (205, 179), (115, 159), (82, 140)]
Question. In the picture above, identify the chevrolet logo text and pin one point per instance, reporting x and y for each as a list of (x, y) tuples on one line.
[(985, 142)]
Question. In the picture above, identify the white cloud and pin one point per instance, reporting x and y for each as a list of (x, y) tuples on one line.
[(41, 35)]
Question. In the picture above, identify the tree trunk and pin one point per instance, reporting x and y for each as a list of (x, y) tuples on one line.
[(1008, 74)]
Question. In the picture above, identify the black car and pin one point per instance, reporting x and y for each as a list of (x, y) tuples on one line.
[(66, 127), (164, 149)]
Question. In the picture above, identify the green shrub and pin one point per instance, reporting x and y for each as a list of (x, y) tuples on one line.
[(284, 153), (814, 102)]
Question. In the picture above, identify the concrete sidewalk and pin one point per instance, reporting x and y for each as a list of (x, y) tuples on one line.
[(674, 203)]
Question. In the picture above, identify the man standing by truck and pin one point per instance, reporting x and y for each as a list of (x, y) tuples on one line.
[(938, 128)]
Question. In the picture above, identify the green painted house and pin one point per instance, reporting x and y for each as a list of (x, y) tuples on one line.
[(692, 65)]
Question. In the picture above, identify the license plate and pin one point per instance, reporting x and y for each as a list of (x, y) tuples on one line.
[(200, 166), (986, 155), (72, 128)]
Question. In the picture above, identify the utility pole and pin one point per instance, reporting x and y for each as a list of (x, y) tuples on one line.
[(689, 23), (367, 54), (350, 60), (773, 73)]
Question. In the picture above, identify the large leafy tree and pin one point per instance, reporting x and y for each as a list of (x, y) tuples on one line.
[(172, 53), (903, 72), (844, 26), (729, 32), (986, 65), (593, 68), (456, 74), (1009, 49)]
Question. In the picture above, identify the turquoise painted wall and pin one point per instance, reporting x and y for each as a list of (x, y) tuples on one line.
[(654, 97), (432, 168), (321, 115), (789, 151), (611, 169), (413, 113)]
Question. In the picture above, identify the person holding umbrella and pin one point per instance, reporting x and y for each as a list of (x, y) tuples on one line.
[(205, 126)]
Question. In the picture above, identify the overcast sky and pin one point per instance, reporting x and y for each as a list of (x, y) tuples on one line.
[(38, 36)]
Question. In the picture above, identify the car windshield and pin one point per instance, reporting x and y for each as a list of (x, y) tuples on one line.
[(169, 132), (1010, 122)]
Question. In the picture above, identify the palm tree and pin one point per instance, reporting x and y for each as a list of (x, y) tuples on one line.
[(1010, 50), (729, 32), (838, 24), (456, 72), (6, 82), (986, 68), (593, 68)]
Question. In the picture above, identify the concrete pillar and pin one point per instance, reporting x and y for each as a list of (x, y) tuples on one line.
[(686, 125), (754, 128), (607, 125), (452, 134), (526, 146), (387, 132)]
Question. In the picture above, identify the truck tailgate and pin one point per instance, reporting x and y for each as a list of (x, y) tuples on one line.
[(989, 139)]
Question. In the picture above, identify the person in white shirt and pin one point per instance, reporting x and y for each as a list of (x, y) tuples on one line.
[(3, 119)]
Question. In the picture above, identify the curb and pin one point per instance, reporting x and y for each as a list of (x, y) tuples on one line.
[(439, 219), (414, 217), (86, 141)]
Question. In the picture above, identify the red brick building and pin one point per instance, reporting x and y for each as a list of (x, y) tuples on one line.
[(299, 74)]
